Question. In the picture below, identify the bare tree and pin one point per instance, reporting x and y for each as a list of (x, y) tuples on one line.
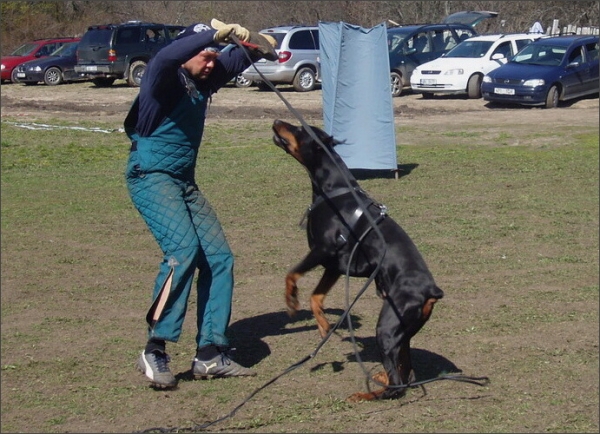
[(22, 21)]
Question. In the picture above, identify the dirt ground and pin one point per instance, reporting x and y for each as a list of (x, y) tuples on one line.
[(85, 104), (83, 101)]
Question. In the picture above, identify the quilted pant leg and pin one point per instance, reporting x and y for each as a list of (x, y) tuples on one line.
[(215, 280), (160, 200)]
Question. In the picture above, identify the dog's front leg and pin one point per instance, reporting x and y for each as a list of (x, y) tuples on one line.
[(291, 288), (318, 296), (291, 293)]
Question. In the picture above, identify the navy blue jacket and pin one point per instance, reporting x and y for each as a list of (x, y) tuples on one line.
[(163, 83)]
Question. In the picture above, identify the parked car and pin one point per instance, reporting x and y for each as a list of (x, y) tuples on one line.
[(461, 69), (29, 51), (114, 51), (412, 45), (545, 72), (298, 50), (55, 69)]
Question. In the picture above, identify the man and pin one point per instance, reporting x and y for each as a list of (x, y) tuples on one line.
[(165, 125)]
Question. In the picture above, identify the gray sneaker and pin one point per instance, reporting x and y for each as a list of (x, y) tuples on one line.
[(155, 366), (219, 366)]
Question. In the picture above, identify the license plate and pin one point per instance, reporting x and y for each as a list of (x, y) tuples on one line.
[(504, 91), (20, 75), (91, 68), (428, 81)]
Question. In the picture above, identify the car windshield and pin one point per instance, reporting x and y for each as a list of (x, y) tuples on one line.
[(540, 54), (471, 49), (24, 50), (65, 50)]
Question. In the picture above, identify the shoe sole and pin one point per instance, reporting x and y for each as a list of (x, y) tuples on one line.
[(207, 376), (153, 383)]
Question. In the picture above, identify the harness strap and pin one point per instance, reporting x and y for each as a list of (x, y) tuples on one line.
[(356, 216)]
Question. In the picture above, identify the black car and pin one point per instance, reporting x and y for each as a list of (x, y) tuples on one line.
[(113, 51), (412, 45), (55, 69)]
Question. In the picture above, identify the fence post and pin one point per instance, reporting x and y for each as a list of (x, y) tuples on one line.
[(555, 30)]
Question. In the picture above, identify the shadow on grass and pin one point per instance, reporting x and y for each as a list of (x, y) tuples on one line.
[(247, 335)]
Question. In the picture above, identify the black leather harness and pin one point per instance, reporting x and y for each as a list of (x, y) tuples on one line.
[(334, 196)]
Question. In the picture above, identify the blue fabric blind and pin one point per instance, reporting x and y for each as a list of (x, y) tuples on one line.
[(357, 100)]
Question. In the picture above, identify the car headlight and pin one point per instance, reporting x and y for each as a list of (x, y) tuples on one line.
[(487, 79), (457, 71), (534, 82), (37, 69)]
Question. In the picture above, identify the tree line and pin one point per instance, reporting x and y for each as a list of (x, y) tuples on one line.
[(25, 20)]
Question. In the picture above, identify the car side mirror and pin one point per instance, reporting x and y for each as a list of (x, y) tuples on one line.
[(497, 56), (573, 65)]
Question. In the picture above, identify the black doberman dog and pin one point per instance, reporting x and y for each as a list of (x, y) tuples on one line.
[(336, 223)]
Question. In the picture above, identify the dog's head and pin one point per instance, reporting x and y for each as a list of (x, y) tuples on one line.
[(297, 142)]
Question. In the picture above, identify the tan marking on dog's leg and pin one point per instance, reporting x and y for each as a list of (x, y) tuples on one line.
[(428, 308), (317, 299), (291, 293), (316, 305)]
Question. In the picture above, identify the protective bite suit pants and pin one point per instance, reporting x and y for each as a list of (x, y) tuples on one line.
[(190, 237)]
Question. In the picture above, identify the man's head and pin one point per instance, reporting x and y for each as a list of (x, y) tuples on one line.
[(201, 65)]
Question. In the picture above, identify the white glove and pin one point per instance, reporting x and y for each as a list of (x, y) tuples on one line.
[(223, 31)]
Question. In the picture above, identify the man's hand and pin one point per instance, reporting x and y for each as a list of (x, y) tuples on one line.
[(224, 30), (270, 39)]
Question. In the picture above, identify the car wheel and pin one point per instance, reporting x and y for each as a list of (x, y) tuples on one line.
[(474, 86), (13, 76), (396, 83), (53, 76), (240, 81), (136, 71), (552, 97), (305, 80)]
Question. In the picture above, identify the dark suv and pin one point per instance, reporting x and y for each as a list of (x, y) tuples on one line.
[(112, 51)]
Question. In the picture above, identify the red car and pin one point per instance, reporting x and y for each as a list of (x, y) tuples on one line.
[(29, 51)]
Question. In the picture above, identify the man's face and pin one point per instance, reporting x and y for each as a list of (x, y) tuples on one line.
[(201, 65)]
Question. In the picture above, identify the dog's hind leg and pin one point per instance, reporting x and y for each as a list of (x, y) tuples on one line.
[(329, 278)]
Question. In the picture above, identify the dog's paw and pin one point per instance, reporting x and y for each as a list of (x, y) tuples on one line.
[(360, 396), (293, 305)]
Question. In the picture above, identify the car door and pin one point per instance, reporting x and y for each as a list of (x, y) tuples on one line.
[(577, 73), (155, 38), (417, 50), (591, 58)]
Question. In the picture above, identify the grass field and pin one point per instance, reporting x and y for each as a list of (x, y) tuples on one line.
[(509, 231)]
